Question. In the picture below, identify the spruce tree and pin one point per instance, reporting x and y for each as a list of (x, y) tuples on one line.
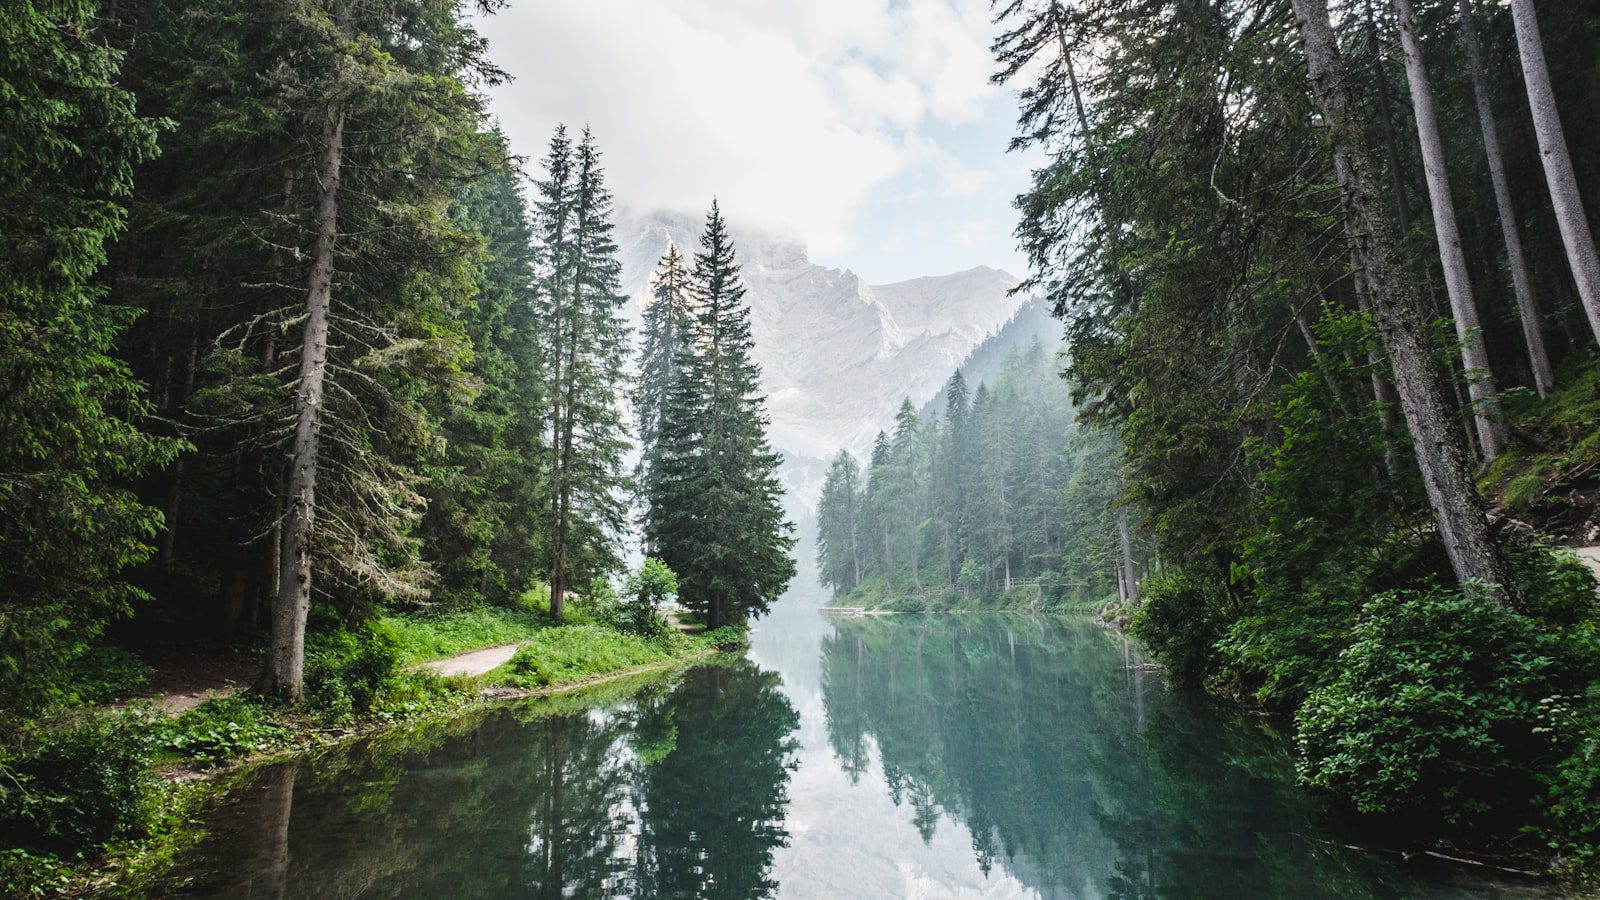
[(716, 516), (664, 347), (580, 301), (70, 411), (839, 556), (483, 526)]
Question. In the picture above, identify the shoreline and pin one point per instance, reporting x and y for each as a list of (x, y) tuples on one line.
[(190, 790)]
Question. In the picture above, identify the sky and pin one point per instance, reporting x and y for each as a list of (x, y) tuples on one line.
[(867, 127)]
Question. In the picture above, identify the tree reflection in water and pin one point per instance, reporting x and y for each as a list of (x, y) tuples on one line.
[(678, 791)]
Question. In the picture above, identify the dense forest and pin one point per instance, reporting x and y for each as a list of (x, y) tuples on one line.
[(301, 362), (310, 384), (1327, 274), (995, 498)]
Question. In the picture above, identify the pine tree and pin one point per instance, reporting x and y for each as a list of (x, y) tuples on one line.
[(1458, 285), (1441, 452), (483, 528), (70, 412), (839, 557), (664, 348), (580, 302), (716, 515), (1576, 235)]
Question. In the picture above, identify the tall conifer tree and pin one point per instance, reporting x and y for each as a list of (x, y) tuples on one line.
[(716, 513), (664, 348), (579, 311), (69, 411)]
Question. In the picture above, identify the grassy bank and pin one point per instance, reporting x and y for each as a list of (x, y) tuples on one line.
[(106, 797)]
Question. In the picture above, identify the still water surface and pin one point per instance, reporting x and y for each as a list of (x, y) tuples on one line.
[(893, 757)]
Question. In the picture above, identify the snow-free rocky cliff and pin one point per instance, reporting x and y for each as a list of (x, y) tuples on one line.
[(836, 354)]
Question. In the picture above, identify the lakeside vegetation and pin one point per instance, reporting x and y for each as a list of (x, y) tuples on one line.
[(310, 381), (1318, 320)]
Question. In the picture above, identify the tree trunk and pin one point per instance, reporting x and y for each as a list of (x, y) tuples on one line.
[(1558, 171), (1125, 542), (1441, 454), (285, 672), (1521, 278), (1458, 285), (916, 574)]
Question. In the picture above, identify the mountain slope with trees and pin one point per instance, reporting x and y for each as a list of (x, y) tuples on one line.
[(1319, 329)]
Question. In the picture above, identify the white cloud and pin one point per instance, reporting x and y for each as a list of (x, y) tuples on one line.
[(790, 112)]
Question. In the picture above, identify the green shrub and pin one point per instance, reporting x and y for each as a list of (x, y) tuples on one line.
[(728, 637), (409, 694), (653, 585), (80, 788), (1553, 583), (222, 729), (346, 668), (1436, 708), (104, 674), (1573, 784), (1180, 618)]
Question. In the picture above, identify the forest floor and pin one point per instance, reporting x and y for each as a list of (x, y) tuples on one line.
[(182, 679)]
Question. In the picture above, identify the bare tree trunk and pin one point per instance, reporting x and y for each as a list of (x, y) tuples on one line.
[(1458, 285), (1125, 540), (285, 672), (1521, 278), (1558, 171), (1441, 454)]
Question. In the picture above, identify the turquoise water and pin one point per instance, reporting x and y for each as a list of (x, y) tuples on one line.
[(889, 757)]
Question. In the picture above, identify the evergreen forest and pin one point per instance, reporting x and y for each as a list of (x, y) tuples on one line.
[(328, 408)]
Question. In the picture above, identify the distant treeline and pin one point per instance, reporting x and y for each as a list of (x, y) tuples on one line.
[(1000, 487)]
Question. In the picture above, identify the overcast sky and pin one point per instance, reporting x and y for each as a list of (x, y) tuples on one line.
[(867, 126)]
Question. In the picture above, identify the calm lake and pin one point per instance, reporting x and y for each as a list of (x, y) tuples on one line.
[(891, 757)]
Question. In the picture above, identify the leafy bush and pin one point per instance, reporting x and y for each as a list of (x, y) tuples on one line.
[(409, 694), (728, 637), (1180, 618), (222, 729), (1553, 583), (104, 674), (81, 787), (653, 585), (1573, 784), (571, 652), (346, 668), (1436, 707)]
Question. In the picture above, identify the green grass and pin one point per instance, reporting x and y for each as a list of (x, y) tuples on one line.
[(424, 637), (575, 652), (1540, 480)]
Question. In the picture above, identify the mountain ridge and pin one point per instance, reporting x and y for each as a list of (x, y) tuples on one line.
[(837, 353)]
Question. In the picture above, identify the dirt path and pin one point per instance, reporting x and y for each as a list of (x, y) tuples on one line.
[(1590, 557), (474, 663)]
